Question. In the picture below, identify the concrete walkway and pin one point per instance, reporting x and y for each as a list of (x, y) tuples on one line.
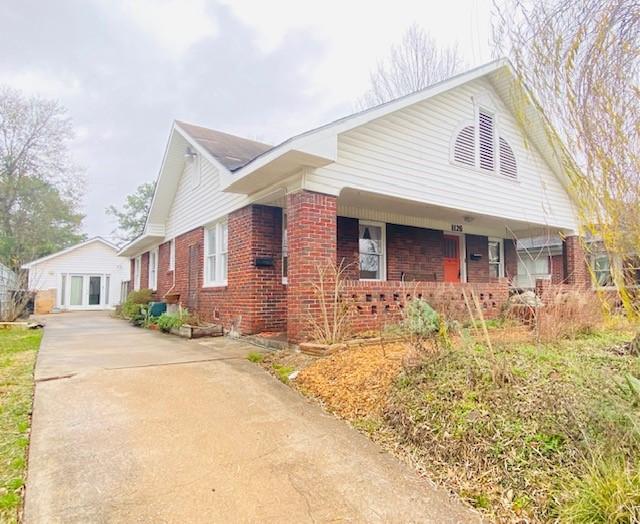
[(135, 426)]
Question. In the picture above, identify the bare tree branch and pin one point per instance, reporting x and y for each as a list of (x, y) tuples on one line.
[(414, 64)]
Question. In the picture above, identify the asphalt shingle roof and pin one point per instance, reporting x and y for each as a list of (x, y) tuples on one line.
[(231, 151)]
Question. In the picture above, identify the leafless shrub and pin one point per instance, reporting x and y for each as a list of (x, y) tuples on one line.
[(329, 324), (14, 298)]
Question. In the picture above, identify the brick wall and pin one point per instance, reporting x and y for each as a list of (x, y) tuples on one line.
[(144, 271), (375, 304), (312, 230), (347, 246), (165, 276), (414, 253), (575, 262), (556, 268), (254, 299), (477, 270)]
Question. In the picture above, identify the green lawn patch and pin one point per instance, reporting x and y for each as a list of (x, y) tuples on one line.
[(18, 348), (560, 440)]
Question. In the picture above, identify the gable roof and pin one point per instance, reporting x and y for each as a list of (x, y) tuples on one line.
[(230, 150), (28, 265), (247, 166)]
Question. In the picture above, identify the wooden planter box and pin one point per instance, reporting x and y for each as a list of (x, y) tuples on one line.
[(189, 331)]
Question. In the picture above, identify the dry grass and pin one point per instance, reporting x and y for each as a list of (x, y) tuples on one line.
[(567, 313)]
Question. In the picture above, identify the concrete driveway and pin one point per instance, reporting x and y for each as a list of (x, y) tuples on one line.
[(135, 426)]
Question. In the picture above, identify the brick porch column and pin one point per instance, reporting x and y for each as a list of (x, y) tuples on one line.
[(575, 262), (311, 229)]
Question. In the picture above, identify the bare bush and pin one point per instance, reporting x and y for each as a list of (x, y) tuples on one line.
[(329, 325), (15, 298)]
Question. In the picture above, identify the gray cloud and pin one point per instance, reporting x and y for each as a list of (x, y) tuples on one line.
[(124, 90)]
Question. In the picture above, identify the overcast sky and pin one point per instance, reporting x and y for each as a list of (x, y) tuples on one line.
[(265, 70)]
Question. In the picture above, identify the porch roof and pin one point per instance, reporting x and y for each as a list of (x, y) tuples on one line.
[(367, 205)]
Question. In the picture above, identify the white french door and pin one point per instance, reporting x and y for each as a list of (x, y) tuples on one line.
[(84, 291)]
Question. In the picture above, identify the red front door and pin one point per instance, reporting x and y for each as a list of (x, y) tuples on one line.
[(451, 258)]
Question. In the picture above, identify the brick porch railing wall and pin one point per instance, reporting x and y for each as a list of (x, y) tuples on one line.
[(374, 304)]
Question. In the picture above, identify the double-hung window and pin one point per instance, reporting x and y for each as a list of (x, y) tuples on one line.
[(495, 258), (153, 269), (215, 254), (601, 265), (372, 251), (137, 265)]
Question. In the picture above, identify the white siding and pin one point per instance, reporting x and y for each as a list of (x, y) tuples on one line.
[(196, 206), (407, 154), (95, 258)]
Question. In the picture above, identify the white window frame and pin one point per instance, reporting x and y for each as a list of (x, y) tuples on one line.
[(500, 242), (383, 257), (153, 269), (137, 266), (219, 252), (285, 246), (592, 263), (172, 254)]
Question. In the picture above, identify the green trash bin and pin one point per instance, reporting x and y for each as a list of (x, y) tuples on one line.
[(157, 308)]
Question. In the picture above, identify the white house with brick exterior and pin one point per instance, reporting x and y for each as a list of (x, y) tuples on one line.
[(432, 188), (85, 276)]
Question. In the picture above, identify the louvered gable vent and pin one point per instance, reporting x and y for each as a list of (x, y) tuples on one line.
[(464, 148), (507, 160), (486, 137)]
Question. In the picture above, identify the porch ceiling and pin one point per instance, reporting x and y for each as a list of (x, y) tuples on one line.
[(374, 206)]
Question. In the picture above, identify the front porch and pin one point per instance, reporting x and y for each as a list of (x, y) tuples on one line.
[(393, 250)]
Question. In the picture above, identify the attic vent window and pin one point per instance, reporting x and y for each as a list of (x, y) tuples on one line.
[(475, 146), (464, 148), (507, 160), (486, 141)]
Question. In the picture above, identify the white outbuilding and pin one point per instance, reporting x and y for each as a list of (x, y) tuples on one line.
[(86, 276)]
